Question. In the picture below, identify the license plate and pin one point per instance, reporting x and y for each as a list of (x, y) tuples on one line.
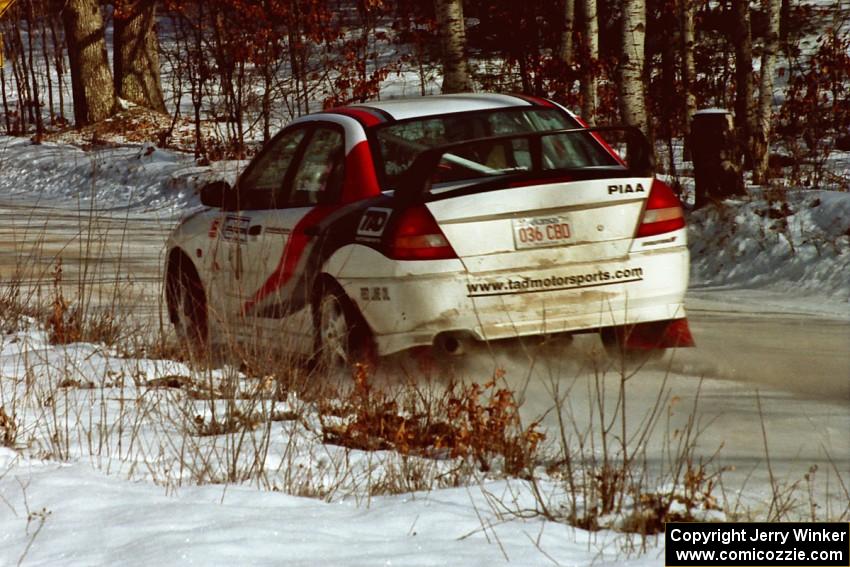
[(540, 232)]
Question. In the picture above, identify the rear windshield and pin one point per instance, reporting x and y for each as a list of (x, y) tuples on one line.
[(401, 143)]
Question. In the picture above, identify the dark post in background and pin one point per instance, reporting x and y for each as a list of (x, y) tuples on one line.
[(717, 171)]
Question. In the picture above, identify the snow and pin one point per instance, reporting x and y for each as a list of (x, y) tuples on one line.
[(93, 519), (713, 111), (107, 473), (71, 494), (797, 242), (139, 177)]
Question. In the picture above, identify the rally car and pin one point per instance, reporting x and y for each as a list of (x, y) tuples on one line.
[(434, 221)]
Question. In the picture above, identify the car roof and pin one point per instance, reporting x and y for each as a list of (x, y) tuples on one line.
[(404, 108)]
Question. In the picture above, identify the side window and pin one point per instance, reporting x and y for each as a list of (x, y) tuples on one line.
[(263, 179), (318, 177)]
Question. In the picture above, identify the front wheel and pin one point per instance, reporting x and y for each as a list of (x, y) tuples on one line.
[(187, 305), (342, 336)]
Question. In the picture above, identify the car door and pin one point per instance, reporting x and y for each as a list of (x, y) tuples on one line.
[(275, 291), (240, 227)]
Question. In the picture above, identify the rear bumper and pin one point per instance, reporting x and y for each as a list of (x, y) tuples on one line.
[(409, 311)]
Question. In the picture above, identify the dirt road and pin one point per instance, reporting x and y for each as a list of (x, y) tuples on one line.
[(112, 258)]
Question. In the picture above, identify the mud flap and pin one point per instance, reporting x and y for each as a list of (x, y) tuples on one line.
[(658, 334)]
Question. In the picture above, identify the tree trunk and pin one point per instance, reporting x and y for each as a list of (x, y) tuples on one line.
[(36, 98), (744, 103), (45, 55), (59, 62), (689, 73), (591, 55), (35, 103), (566, 47), (761, 146), (5, 100), (91, 80), (136, 54), (668, 97), (453, 39), (632, 96)]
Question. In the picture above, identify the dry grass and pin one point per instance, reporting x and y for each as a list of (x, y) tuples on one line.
[(463, 421)]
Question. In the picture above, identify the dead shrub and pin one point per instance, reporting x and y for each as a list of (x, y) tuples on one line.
[(69, 323), (8, 429), (476, 421), (234, 421), (14, 309)]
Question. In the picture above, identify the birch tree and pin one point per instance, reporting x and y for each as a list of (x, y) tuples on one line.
[(91, 79), (566, 47), (591, 55), (686, 15), (761, 143), (632, 95), (136, 54), (453, 42)]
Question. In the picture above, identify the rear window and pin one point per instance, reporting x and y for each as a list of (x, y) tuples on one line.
[(399, 144)]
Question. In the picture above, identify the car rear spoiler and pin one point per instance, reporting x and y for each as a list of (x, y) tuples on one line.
[(639, 160)]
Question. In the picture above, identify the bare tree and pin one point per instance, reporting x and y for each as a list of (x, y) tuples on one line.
[(686, 14), (91, 80), (453, 40), (591, 55), (136, 54), (744, 107), (632, 96), (566, 47), (761, 143)]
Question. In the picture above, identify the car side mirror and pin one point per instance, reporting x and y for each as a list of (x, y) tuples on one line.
[(215, 194)]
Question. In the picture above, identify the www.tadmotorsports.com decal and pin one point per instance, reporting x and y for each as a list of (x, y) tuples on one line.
[(554, 283)]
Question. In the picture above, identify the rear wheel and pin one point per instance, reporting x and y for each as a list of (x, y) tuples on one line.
[(342, 337), (187, 304)]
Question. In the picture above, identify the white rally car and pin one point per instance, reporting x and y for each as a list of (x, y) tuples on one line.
[(431, 222)]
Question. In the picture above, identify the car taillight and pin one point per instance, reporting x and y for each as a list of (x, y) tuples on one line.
[(663, 212), (417, 236)]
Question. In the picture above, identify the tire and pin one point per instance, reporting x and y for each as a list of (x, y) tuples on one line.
[(342, 338), (187, 305)]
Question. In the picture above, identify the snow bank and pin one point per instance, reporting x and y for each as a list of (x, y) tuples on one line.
[(133, 176), (799, 244), (71, 515)]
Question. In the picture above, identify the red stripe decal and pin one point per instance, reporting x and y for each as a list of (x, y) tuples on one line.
[(360, 180), (360, 183), (361, 115), (535, 100), (292, 253)]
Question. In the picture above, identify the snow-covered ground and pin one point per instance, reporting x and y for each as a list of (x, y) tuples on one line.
[(68, 514), (139, 177), (106, 468), (797, 243)]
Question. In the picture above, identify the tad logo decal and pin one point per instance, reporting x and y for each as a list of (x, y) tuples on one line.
[(373, 222), (627, 188)]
